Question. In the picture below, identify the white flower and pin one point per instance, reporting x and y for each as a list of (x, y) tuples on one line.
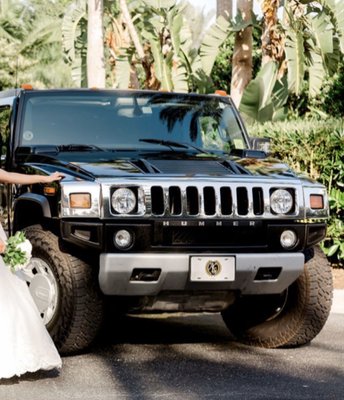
[(18, 252), (26, 247)]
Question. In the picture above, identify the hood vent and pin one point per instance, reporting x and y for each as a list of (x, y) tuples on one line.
[(187, 167)]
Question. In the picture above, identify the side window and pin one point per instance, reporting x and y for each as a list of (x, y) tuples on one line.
[(5, 113)]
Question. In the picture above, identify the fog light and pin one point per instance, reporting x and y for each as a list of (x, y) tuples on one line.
[(288, 239), (123, 239)]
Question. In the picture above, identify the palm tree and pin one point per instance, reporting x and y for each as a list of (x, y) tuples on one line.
[(242, 56), (95, 45), (224, 8)]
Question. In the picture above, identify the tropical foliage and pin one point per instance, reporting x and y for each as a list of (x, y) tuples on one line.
[(30, 44), (315, 147), (176, 55), (313, 34)]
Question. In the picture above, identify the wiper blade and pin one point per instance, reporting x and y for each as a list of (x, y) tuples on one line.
[(78, 147), (171, 144), (168, 143)]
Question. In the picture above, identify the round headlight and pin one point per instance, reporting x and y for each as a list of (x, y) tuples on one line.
[(122, 239), (123, 200), (288, 239), (281, 201)]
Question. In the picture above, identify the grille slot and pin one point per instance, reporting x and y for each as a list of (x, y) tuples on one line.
[(226, 200), (209, 200), (175, 200), (242, 201), (157, 196), (258, 201), (192, 202)]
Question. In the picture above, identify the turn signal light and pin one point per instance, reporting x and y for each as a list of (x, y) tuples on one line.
[(49, 190), (221, 92), (26, 86), (316, 201), (80, 200)]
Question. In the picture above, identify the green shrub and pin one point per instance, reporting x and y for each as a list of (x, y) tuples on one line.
[(315, 147)]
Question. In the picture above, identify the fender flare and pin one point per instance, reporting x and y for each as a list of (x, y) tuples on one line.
[(35, 198)]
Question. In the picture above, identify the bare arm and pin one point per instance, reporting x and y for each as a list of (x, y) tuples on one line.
[(2, 246), (27, 179)]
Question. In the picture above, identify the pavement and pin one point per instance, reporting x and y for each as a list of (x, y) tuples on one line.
[(338, 301)]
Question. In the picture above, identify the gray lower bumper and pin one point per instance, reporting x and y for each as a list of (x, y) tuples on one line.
[(115, 274)]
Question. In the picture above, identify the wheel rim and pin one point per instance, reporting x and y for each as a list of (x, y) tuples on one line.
[(43, 287)]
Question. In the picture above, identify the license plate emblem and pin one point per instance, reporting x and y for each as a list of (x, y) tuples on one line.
[(212, 269)]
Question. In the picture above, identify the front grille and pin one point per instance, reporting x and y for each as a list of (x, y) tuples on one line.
[(210, 201), (204, 198)]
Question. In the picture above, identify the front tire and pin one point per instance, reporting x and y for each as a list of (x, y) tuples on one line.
[(291, 319), (66, 292)]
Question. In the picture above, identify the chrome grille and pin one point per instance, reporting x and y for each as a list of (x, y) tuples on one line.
[(234, 200)]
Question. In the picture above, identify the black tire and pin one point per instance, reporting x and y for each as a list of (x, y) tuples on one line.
[(291, 319), (77, 313)]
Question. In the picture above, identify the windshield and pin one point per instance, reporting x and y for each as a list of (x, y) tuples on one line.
[(131, 121)]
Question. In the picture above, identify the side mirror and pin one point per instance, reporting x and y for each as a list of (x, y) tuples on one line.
[(262, 144)]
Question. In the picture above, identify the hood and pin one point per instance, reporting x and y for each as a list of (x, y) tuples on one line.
[(83, 166)]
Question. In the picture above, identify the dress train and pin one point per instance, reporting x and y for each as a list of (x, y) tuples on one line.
[(25, 344)]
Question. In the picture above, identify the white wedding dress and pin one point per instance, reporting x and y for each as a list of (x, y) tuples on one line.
[(25, 344)]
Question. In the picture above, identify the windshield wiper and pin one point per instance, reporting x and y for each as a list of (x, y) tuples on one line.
[(78, 147), (171, 144), (168, 143)]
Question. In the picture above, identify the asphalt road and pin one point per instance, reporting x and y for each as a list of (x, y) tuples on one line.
[(191, 358)]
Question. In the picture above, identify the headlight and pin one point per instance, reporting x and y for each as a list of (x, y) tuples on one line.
[(281, 201), (123, 200)]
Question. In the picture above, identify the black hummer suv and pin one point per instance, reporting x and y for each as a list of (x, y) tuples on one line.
[(165, 206)]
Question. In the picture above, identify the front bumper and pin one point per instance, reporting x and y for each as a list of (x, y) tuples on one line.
[(117, 271)]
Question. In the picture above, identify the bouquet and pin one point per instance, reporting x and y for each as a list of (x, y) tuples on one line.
[(18, 252)]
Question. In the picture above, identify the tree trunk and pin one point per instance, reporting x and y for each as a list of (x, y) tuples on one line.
[(224, 8), (95, 45), (242, 56)]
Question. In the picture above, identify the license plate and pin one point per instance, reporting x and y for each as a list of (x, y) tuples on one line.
[(212, 269)]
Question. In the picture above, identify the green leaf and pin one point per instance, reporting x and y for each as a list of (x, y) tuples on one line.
[(264, 97), (323, 31), (74, 39), (332, 250), (175, 23), (212, 40), (122, 72), (70, 26), (179, 77), (337, 9), (317, 74), (294, 48)]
